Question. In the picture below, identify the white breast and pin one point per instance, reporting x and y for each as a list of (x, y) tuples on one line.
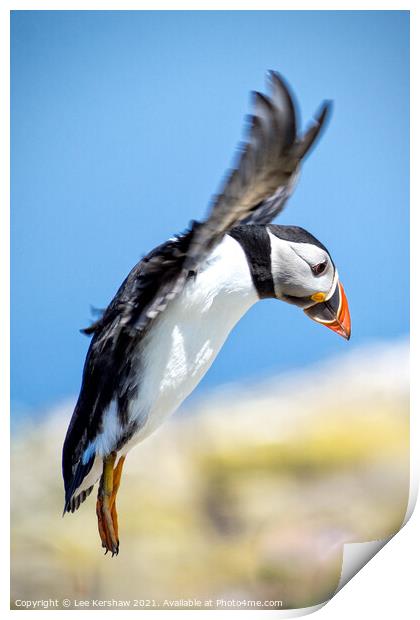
[(186, 338)]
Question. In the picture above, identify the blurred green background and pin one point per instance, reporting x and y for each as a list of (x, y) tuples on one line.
[(249, 493)]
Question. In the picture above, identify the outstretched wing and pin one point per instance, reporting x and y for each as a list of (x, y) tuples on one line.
[(256, 189), (266, 171)]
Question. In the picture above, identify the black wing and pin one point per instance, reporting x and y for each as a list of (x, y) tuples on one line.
[(108, 362), (257, 188), (254, 192)]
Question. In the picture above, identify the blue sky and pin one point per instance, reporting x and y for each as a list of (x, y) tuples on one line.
[(124, 123)]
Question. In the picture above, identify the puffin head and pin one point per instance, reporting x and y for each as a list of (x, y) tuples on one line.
[(304, 274)]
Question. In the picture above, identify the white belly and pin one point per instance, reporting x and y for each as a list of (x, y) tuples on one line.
[(186, 338), (180, 348)]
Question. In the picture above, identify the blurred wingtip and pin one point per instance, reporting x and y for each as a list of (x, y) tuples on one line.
[(276, 76), (325, 111)]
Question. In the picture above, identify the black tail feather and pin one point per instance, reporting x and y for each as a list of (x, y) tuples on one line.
[(72, 503), (77, 500)]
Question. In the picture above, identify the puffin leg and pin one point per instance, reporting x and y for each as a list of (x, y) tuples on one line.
[(103, 506), (113, 502)]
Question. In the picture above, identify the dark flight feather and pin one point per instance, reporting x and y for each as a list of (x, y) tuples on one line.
[(267, 168)]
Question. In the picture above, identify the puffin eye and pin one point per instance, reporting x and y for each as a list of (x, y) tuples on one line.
[(319, 268)]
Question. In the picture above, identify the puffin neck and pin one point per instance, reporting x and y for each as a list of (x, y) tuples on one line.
[(255, 242)]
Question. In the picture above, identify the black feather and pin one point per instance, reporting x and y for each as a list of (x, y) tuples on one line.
[(72, 483), (147, 290)]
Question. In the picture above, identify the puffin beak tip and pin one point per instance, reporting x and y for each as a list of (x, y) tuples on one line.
[(333, 313)]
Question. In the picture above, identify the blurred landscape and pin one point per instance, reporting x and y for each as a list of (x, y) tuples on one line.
[(249, 493)]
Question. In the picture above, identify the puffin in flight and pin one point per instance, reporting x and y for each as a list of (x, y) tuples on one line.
[(173, 312)]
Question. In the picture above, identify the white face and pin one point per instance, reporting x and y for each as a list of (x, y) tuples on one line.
[(301, 270)]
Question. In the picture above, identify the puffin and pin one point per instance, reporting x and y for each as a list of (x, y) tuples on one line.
[(171, 315)]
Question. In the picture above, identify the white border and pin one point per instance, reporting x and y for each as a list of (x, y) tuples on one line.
[(388, 583)]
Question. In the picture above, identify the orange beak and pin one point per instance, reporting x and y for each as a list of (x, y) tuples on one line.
[(333, 313)]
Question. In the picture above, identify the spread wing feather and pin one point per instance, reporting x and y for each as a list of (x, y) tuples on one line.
[(255, 191), (267, 168)]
